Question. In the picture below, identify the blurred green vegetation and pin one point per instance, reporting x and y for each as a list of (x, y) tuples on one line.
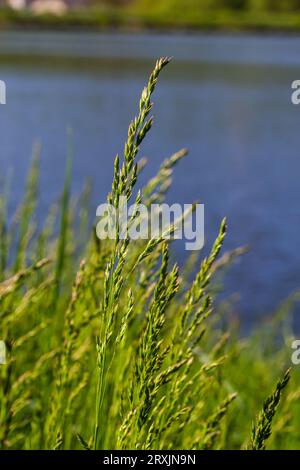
[(168, 14)]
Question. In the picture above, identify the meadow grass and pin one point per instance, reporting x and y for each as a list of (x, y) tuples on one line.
[(110, 346)]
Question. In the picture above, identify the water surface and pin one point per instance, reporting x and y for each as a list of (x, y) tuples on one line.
[(228, 99)]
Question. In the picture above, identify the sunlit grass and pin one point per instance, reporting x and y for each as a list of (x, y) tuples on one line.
[(110, 346)]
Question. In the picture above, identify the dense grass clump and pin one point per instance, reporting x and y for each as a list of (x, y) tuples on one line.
[(110, 347)]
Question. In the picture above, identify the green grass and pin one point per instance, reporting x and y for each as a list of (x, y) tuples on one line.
[(111, 346)]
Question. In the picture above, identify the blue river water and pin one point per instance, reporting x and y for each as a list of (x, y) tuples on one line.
[(226, 98)]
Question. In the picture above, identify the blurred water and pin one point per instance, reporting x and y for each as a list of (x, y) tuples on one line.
[(228, 99)]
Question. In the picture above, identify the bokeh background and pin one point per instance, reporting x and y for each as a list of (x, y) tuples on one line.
[(226, 97)]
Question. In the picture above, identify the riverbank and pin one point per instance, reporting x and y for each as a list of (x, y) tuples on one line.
[(139, 19)]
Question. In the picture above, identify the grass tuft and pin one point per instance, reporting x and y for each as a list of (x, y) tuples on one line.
[(111, 346)]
